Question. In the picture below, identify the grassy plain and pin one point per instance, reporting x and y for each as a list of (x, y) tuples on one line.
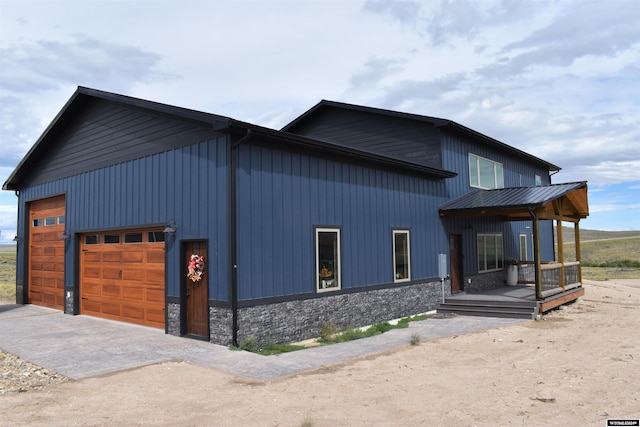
[(602, 250), (7, 272)]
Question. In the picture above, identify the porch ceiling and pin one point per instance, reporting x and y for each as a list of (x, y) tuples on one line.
[(566, 202)]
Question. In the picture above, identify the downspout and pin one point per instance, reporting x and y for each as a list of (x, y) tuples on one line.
[(233, 232), (21, 261)]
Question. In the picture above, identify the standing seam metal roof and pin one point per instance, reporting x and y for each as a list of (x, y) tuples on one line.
[(511, 197)]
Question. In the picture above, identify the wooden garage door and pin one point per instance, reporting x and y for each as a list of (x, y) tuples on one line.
[(46, 252), (122, 276)]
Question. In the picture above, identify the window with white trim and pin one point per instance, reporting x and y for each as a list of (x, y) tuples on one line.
[(327, 259), (538, 180), (490, 252), (485, 173), (524, 255), (401, 256)]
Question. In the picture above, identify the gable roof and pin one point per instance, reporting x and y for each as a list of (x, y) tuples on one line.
[(436, 122), (214, 122), (568, 200), (78, 101)]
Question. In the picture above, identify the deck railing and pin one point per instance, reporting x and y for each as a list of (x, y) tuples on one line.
[(550, 276)]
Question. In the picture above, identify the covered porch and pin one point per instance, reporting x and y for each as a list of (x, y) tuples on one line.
[(541, 285)]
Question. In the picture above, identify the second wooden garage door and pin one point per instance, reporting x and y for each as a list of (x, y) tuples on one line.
[(122, 276)]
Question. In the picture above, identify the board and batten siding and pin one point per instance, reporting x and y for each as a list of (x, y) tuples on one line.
[(105, 133), (408, 140), (517, 172), (187, 185), (281, 197)]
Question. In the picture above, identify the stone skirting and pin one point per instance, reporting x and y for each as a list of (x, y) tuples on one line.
[(173, 319), (484, 281), (220, 325), (69, 302), (20, 296), (302, 319), (298, 320)]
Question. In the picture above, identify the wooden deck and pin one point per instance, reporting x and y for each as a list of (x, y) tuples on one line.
[(507, 301)]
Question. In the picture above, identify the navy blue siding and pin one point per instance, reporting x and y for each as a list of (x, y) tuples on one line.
[(187, 185), (283, 195), (516, 173), (410, 140), (105, 133)]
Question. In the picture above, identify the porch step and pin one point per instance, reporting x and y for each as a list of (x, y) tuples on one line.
[(489, 308)]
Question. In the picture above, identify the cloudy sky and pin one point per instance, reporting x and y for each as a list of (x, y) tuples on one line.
[(558, 79)]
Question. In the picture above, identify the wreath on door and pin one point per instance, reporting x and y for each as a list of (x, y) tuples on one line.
[(195, 268)]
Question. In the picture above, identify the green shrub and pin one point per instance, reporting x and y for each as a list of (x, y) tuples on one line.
[(327, 332), (249, 344)]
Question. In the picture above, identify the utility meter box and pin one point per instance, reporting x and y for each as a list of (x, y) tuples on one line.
[(442, 266)]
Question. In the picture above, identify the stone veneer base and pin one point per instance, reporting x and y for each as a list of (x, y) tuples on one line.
[(484, 281), (299, 320)]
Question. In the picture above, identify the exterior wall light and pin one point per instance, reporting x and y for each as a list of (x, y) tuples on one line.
[(170, 228)]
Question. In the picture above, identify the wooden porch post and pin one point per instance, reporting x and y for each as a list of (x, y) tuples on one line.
[(576, 227), (560, 251), (536, 254)]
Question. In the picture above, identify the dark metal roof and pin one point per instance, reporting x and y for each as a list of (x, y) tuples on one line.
[(516, 202), (215, 122), (437, 122)]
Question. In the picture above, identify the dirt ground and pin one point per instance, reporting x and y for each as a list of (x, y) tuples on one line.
[(577, 366)]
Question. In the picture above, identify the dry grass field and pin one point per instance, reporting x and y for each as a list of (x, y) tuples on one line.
[(606, 255), (7, 272)]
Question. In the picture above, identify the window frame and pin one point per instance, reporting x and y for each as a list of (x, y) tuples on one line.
[(523, 244), (498, 251), (538, 180), (337, 259), (397, 232), (498, 178)]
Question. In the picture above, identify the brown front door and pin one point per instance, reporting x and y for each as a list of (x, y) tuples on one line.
[(455, 254), (197, 288)]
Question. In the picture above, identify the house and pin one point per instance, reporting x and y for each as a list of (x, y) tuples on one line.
[(218, 229)]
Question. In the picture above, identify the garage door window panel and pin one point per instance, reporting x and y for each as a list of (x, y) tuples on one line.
[(133, 237), (111, 239), (155, 237)]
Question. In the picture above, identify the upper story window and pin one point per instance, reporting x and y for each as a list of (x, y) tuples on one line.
[(485, 173), (538, 180)]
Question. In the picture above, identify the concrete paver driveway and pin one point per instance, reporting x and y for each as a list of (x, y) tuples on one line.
[(83, 346)]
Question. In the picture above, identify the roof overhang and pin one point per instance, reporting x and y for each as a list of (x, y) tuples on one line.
[(565, 202)]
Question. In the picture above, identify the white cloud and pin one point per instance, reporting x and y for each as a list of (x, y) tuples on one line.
[(558, 79)]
